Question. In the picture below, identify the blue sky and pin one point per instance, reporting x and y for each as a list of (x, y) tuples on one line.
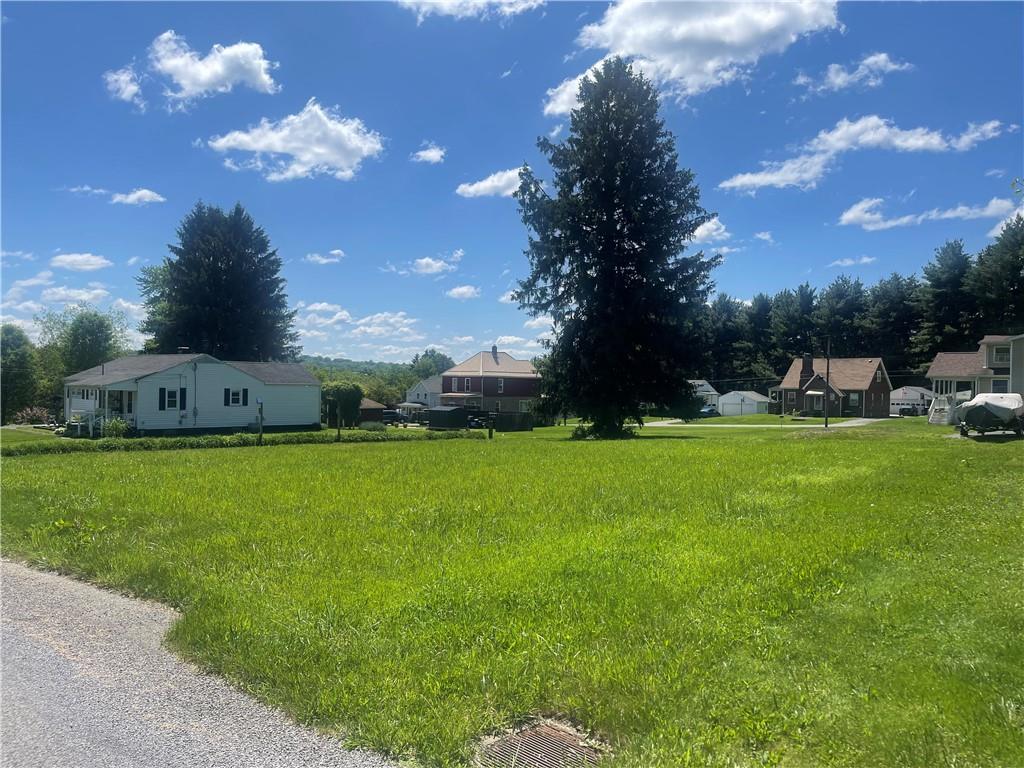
[(828, 138)]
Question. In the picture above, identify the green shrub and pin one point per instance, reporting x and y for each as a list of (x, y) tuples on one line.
[(373, 426), (239, 440), (115, 428)]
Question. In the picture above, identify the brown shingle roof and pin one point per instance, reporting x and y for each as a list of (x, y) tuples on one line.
[(366, 404), (491, 364), (129, 367), (965, 365), (846, 373)]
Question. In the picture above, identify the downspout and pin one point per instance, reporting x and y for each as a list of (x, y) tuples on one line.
[(195, 395)]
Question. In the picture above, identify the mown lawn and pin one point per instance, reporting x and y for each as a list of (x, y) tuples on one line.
[(12, 435), (768, 418), (725, 598)]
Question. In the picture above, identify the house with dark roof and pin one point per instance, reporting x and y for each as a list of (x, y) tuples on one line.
[(996, 366), (192, 393), (494, 382), (856, 386)]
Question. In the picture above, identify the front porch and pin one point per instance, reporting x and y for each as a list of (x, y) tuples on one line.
[(87, 410)]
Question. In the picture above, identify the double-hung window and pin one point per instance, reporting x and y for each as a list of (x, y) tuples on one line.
[(1001, 356), (468, 382), (455, 383), (501, 386), (236, 397), (172, 399)]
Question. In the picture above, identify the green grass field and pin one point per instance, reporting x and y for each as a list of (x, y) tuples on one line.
[(12, 435), (727, 598), (767, 418)]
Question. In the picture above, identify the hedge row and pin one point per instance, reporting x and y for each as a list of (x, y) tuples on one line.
[(239, 440)]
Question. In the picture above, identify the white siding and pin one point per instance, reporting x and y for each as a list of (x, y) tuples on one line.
[(205, 382)]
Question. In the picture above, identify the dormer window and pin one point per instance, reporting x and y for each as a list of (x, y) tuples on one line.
[(1001, 355)]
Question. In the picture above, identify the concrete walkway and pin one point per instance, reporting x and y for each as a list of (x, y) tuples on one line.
[(708, 425), (87, 683)]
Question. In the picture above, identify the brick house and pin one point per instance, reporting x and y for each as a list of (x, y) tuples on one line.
[(493, 382), (859, 386)]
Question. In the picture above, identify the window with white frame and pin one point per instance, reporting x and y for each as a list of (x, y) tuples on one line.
[(501, 386), (791, 397), (524, 406), (855, 398), (172, 399), (1001, 355), (236, 397), (455, 383), (468, 382), (1000, 386), (878, 375)]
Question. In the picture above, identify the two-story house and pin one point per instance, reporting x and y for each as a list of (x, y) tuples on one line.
[(996, 366), (492, 382), (857, 386)]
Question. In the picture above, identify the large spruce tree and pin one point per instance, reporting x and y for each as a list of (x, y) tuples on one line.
[(606, 256), (220, 291)]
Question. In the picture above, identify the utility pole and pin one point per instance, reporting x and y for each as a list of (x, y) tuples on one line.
[(828, 375)]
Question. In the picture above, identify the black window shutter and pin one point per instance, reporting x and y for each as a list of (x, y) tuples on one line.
[(227, 396), (181, 398), (163, 399), (245, 397)]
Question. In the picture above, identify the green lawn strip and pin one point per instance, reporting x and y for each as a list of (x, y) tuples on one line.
[(734, 599), (18, 435)]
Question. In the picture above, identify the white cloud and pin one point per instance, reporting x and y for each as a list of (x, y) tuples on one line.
[(80, 262), (132, 261), (766, 236), (314, 320), (463, 292), (431, 266), (9, 257), (504, 341), (308, 333), (431, 153), (541, 321), (555, 132), (332, 257), (23, 306), (396, 325), (74, 295), (995, 173), (508, 71), (28, 326), (869, 73), (690, 48), (137, 197), (323, 306), (219, 71), (994, 232), (314, 141), (871, 132), (502, 183), (866, 214), (506, 298), (123, 84), (17, 288), (135, 310), (469, 9), (711, 231), (853, 262), (85, 189), (725, 249)]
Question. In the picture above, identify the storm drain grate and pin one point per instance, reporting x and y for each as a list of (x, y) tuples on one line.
[(546, 744)]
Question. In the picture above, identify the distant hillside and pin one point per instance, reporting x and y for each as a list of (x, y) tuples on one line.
[(368, 367)]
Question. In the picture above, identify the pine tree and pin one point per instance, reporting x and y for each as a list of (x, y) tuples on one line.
[(996, 284), (837, 316), (220, 291), (945, 304), (606, 256)]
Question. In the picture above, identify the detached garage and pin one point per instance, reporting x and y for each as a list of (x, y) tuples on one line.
[(742, 403)]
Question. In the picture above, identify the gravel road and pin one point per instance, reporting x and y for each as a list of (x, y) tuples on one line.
[(86, 682)]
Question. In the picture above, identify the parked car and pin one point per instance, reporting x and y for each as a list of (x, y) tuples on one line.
[(708, 411), (394, 417), (477, 422)]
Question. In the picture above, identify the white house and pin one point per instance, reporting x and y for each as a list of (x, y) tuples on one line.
[(426, 392), (742, 403), (918, 398), (180, 393), (997, 366), (705, 392)]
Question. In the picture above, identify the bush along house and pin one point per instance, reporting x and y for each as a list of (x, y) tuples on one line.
[(858, 386), (493, 382)]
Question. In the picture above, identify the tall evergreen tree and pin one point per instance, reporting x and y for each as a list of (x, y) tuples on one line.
[(792, 323), (220, 291), (945, 304), (727, 338), (17, 371), (996, 283), (837, 316), (606, 256), (891, 320)]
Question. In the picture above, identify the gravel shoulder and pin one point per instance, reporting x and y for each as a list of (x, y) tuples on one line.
[(87, 682)]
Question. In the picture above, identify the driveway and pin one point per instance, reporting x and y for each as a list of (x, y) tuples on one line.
[(704, 425), (86, 682)]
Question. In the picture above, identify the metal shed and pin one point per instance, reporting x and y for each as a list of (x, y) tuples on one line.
[(447, 417)]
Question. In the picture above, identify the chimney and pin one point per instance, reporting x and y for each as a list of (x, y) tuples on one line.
[(806, 370), (494, 351)]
